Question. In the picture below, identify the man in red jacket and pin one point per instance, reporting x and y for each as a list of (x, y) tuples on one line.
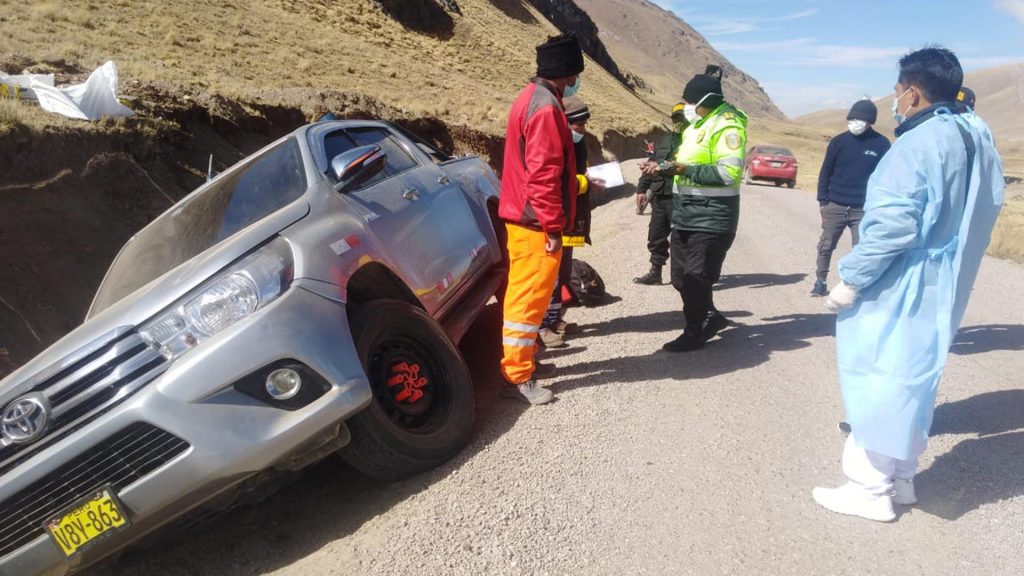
[(538, 201)]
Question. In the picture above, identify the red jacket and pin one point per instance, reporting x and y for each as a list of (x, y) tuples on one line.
[(538, 185)]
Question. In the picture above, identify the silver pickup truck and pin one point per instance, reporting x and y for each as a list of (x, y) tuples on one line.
[(304, 302)]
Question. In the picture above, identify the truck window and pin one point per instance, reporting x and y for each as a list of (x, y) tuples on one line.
[(398, 159)]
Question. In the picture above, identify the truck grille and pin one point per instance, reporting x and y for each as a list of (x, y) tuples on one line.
[(120, 460), (82, 387)]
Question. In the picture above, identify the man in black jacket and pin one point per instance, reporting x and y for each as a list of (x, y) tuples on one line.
[(659, 189), (842, 184)]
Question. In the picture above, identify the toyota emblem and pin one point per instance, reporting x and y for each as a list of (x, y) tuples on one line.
[(25, 419)]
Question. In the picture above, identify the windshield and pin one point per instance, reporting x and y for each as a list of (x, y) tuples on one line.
[(232, 202), (774, 150)]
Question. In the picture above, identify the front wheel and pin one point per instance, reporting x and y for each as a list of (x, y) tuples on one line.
[(791, 183), (422, 408)]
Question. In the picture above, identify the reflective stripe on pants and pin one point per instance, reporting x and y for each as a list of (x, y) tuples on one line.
[(531, 279)]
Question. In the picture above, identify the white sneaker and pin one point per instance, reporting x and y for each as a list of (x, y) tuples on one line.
[(851, 500), (903, 492)]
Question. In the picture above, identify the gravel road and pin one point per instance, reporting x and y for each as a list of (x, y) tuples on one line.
[(655, 463)]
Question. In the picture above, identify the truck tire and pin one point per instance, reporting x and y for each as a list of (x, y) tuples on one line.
[(422, 409)]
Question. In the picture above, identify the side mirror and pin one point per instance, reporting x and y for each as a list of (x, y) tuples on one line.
[(352, 168)]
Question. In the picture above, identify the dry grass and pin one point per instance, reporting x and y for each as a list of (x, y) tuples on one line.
[(266, 48), (11, 114), (1008, 236)]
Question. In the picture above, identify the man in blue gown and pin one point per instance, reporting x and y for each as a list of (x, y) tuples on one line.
[(930, 208)]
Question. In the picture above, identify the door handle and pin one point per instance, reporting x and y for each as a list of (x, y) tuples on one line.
[(443, 180), (411, 194)]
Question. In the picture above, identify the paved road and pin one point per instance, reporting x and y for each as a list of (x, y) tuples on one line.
[(652, 463)]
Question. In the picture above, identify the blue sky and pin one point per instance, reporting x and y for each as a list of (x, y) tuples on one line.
[(815, 54)]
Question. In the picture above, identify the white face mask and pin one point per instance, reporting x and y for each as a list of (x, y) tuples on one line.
[(576, 137), (857, 127), (690, 113), (899, 118)]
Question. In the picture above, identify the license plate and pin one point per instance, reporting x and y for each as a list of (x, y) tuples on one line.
[(776, 164), (87, 521)]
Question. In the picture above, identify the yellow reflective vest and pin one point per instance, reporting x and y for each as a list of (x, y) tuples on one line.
[(707, 195)]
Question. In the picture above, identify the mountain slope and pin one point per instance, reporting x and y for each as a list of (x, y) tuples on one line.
[(666, 52)]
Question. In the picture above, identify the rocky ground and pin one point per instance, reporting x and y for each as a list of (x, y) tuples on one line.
[(654, 463)]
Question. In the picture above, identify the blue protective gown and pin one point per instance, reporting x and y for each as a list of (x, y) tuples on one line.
[(924, 232)]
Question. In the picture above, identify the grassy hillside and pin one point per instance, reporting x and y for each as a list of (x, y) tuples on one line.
[(461, 69)]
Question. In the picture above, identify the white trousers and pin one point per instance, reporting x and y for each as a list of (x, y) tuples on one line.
[(873, 472)]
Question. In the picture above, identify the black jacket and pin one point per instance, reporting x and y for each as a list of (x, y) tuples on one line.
[(849, 161), (661, 186)]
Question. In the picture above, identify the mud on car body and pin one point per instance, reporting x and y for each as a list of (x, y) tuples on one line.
[(304, 302)]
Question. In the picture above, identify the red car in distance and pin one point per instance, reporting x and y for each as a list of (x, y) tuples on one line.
[(772, 163)]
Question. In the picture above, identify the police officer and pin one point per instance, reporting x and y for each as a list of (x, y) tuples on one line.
[(706, 208), (658, 188)]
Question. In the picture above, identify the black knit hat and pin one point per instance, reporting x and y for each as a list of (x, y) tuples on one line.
[(575, 110), (966, 96), (559, 57), (701, 85), (863, 110)]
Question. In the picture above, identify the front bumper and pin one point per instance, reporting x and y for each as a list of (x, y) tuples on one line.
[(231, 435)]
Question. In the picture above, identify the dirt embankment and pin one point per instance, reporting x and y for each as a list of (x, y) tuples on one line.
[(73, 193)]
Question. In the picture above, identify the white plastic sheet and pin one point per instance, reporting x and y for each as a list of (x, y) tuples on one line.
[(95, 99), (21, 85)]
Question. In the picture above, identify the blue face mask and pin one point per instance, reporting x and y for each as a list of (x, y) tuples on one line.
[(576, 137), (572, 90)]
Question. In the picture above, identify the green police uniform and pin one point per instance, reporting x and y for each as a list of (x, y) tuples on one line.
[(707, 195)]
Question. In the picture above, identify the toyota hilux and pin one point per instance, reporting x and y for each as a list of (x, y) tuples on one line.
[(306, 301)]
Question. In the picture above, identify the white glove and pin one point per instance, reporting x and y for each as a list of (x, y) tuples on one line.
[(840, 298)]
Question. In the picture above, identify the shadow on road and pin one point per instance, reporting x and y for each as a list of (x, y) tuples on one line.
[(980, 470), (984, 414), (739, 347), (989, 337), (758, 280), (329, 502)]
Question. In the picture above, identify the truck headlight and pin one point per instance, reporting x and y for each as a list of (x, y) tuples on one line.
[(234, 294)]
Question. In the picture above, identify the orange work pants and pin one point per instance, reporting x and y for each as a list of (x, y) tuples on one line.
[(532, 273)]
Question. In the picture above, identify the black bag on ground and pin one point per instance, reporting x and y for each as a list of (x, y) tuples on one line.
[(586, 285)]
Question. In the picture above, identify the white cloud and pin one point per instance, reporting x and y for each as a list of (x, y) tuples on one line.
[(847, 56), (807, 52), (720, 26), (763, 46), (796, 100), (1013, 7), (979, 62), (727, 27), (795, 15)]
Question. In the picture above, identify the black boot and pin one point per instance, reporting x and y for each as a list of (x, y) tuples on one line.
[(714, 324), (690, 339), (652, 278)]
